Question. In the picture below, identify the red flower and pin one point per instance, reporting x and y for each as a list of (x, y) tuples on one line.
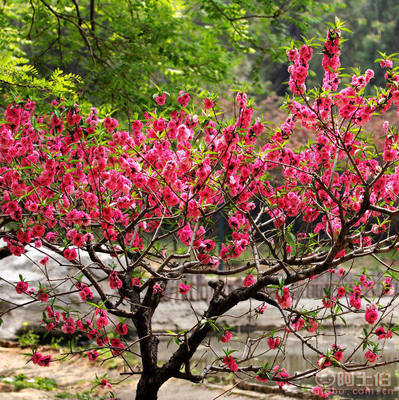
[(105, 384), (114, 281), (273, 343), (286, 300), (231, 363), (92, 355), (160, 100), (208, 103), (225, 338), (184, 288), (121, 329), (248, 280), (70, 254), (42, 295), (372, 357), (45, 361), (371, 315), (22, 287)]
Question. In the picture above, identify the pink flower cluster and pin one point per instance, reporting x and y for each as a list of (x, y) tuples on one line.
[(273, 342), (105, 384), (248, 280), (160, 99), (225, 338), (114, 281), (23, 287), (230, 362), (335, 354), (286, 300), (371, 356), (121, 329), (299, 70), (371, 315), (382, 334), (280, 373), (331, 61), (41, 360), (85, 292), (355, 298), (184, 288), (388, 287), (75, 183), (102, 318), (92, 355)]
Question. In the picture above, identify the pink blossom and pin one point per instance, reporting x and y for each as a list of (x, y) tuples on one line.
[(136, 282), (297, 323), (273, 343), (70, 254), (261, 376), (69, 326), (382, 334), (371, 315), (312, 325), (92, 355), (42, 295), (160, 100), (328, 302), (241, 99), (281, 373), (208, 103), (183, 98), (121, 329), (230, 362), (157, 288), (225, 338), (387, 63), (42, 361), (286, 300), (261, 309), (114, 281), (184, 288), (21, 287), (185, 234), (372, 357), (117, 346), (341, 292), (105, 384), (44, 260), (248, 280)]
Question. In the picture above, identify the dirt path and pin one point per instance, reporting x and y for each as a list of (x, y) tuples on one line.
[(73, 379)]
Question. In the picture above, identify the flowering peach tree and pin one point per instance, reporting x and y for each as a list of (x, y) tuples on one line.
[(74, 185)]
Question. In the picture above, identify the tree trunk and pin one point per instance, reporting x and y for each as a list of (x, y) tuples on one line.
[(148, 387)]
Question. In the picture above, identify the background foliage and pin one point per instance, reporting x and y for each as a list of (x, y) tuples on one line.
[(125, 51)]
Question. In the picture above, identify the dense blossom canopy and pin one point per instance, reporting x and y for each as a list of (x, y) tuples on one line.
[(74, 185)]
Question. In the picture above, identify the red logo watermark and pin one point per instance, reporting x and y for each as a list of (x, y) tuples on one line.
[(359, 383)]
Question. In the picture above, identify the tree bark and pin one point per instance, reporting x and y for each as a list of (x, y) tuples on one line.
[(151, 378), (148, 387)]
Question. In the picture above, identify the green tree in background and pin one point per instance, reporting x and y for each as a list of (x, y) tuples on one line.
[(125, 49), (375, 28)]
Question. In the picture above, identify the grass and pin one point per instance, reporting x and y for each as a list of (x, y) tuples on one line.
[(21, 381), (28, 338)]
